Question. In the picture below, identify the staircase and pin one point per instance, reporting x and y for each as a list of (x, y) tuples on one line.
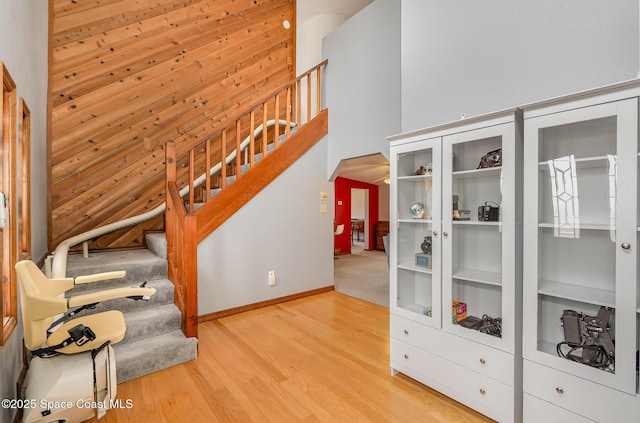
[(154, 340), (155, 337)]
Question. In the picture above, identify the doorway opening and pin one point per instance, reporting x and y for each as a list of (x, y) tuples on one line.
[(362, 204)]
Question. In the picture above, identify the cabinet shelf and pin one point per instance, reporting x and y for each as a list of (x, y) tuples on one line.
[(547, 347), (586, 226), (478, 276), (419, 309), (595, 296), (583, 162), (426, 221), (475, 223), (477, 173), (415, 178), (408, 265)]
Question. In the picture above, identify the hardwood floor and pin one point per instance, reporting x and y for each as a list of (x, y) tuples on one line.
[(323, 358)]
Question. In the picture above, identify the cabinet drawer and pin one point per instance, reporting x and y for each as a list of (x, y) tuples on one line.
[(479, 392), (485, 360), (535, 411), (579, 395)]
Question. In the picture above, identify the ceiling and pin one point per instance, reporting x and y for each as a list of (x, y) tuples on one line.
[(307, 9), (371, 169)]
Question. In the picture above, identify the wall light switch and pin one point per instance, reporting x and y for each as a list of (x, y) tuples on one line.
[(323, 195), (323, 208)]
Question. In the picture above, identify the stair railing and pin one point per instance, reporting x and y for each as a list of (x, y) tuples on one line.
[(293, 102), (56, 264)]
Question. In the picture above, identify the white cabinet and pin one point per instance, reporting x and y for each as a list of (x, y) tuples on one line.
[(581, 243), (456, 247)]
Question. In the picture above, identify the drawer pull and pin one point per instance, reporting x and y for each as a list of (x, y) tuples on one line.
[(482, 391), (406, 356), (560, 390), (483, 361), (406, 332)]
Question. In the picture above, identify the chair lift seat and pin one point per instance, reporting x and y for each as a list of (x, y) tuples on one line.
[(62, 376), (107, 325), (42, 301)]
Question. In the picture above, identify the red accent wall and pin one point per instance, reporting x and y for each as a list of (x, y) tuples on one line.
[(343, 213)]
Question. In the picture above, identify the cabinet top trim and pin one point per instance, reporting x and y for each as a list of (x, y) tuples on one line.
[(607, 93), (463, 125), (603, 94)]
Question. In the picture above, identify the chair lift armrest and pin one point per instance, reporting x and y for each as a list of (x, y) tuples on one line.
[(109, 294), (57, 286), (100, 277), (42, 307)]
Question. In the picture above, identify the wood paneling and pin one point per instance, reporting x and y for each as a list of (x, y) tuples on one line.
[(126, 76)]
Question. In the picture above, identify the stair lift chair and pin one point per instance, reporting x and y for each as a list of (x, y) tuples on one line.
[(72, 372)]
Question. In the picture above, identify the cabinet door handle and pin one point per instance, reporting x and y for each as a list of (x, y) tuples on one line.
[(435, 233), (406, 332), (560, 390), (445, 234), (406, 356), (625, 246), (483, 361), (482, 391)]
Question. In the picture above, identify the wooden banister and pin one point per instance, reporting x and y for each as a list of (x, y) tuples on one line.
[(186, 224)]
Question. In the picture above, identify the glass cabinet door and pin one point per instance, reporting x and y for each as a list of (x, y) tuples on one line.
[(581, 307), (478, 235), (638, 273), (415, 250)]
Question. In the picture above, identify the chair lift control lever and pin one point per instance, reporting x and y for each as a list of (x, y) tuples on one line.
[(141, 297)]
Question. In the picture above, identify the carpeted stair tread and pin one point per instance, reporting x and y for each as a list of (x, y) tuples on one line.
[(151, 322), (157, 243), (140, 265), (153, 340), (135, 359)]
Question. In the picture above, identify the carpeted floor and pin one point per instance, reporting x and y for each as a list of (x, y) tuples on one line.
[(364, 275)]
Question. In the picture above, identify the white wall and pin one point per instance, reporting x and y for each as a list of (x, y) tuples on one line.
[(472, 57), (363, 82), (280, 229), (23, 49), (358, 205), (309, 39)]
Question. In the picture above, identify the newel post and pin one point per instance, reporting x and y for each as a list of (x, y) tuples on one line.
[(170, 215), (190, 318)]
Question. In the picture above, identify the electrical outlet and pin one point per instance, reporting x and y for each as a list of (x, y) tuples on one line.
[(272, 277)]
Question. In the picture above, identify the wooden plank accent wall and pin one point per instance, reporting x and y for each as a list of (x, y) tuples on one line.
[(127, 76)]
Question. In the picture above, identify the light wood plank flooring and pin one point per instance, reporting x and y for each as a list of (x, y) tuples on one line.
[(323, 358)]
